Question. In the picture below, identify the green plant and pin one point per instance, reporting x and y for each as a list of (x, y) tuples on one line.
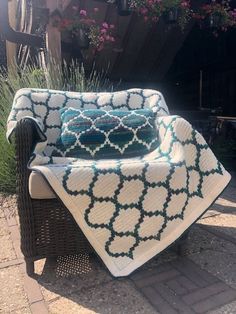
[(151, 10), (100, 34), (56, 77), (219, 15)]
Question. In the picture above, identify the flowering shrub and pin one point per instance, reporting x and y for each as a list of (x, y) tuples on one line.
[(217, 13), (220, 14), (184, 10), (99, 34), (151, 10)]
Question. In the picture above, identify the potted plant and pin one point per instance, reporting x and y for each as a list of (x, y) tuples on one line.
[(216, 15), (172, 15), (150, 10), (85, 30), (177, 12), (80, 35), (174, 11), (124, 7)]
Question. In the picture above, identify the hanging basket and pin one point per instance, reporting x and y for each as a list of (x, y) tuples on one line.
[(213, 21), (80, 37), (123, 7), (172, 15)]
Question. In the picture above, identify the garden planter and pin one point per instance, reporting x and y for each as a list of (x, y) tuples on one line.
[(172, 15), (123, 7), (81, 38), (214, 21)]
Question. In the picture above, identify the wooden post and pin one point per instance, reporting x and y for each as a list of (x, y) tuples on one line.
[(11, 47), (53, 35)]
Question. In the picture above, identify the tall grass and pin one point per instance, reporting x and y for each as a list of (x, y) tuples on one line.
[(57, 77)]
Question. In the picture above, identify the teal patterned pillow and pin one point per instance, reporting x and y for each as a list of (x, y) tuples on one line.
[(96, 133)]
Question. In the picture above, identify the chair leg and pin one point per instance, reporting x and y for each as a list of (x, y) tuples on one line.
[(29, 266)]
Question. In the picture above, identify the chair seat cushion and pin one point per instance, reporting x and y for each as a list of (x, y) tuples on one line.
[(39, 188), (96, 133)]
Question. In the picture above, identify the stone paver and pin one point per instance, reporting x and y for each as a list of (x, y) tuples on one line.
[(7, 252), (214, 254), (223, 223), (1, 213), (117, 296), (12, 295), (226, 309), (54, 285), (3, 227), (182, 287), (24, 310)]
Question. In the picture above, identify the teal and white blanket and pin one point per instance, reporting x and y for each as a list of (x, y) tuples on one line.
[(129, 209)]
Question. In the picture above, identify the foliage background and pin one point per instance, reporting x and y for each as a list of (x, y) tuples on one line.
[(63, 77)]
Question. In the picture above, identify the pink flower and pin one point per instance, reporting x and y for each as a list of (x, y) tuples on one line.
[(155, 19), (184, 4), (143, 11), (103, 30), (83, 12), (112, 26), (95, 9), (105, 25)]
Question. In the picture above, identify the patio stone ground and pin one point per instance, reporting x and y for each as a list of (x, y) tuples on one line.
[(202, 280)]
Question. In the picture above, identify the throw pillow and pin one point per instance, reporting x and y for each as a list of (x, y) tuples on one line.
[(96, 133)]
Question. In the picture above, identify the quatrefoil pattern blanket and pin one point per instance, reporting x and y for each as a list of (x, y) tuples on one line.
[(129, 209)]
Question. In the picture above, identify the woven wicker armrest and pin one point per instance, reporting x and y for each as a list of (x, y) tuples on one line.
[(25, 138)]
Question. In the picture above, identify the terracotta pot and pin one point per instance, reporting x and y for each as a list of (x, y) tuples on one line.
[(123, 7)]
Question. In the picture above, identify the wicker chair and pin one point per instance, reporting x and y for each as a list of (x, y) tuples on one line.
[(41, 237)]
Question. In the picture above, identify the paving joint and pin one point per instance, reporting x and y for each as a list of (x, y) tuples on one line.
[(14, 262)]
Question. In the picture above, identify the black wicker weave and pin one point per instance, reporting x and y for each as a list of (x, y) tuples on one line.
[(47, 227)]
